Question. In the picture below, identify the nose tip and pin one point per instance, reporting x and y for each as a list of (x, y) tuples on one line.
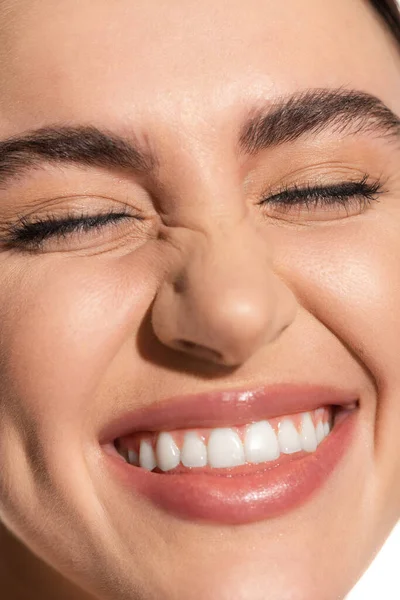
[(229, 335), (222, 307)]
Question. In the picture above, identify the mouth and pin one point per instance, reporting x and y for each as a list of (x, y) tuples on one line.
[(232, 457)]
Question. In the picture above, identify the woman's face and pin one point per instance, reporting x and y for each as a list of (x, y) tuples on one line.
[(197, 287)]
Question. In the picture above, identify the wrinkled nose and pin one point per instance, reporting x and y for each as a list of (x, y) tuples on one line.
[(224, 302)]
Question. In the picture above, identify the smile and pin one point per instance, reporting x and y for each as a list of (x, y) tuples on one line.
[(187, 458)]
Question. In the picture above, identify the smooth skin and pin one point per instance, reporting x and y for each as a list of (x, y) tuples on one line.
[(90, 326)]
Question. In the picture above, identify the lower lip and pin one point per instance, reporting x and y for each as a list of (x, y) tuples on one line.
[(232, 500)]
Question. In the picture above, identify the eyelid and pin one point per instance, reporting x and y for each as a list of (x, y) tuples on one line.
[(32, 234), (346, 187), (310, 202)]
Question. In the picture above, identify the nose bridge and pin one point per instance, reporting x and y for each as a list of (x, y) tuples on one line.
[(224, 301), (233, 264)]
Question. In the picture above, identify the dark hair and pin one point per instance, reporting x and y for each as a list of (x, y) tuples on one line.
[(390, 11)]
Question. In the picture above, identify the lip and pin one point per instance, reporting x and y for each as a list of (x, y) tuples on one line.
[(235, 500), (226, 408), (226, 497)]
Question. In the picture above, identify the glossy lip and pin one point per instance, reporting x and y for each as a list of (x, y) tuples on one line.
[(226, 498), (226, 408), (234, 500)]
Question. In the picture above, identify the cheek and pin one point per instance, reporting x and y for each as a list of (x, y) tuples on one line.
[(71, 319), (63, 320), (349, 279), (66, 322)]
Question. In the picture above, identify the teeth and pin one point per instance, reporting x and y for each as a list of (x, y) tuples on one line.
[(319, 430), (147, 460), (308, 436), (194, 451), (167, 452), (260, 443), (289, 439), (133, 457), (230, 447), (225, 449)]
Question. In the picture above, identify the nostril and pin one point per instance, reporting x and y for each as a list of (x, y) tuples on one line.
[(199, 350), (187, 345)]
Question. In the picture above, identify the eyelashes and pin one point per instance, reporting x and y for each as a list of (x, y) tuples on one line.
[(32, 233), (28, 231), (345, 194)]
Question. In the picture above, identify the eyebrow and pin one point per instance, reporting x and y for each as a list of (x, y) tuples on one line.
[(315, 111), (82, 145), (283, 121)]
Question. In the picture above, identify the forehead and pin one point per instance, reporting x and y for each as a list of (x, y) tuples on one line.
[(149, 60)]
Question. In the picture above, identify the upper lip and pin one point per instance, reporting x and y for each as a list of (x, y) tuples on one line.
[(227, 407)]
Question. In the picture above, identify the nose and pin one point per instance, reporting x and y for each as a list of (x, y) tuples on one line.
[(224, 301)]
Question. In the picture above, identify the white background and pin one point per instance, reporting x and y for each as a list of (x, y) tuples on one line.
[(382, 580)]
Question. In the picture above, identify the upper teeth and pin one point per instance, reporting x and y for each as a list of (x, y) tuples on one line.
[(227, 447)]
